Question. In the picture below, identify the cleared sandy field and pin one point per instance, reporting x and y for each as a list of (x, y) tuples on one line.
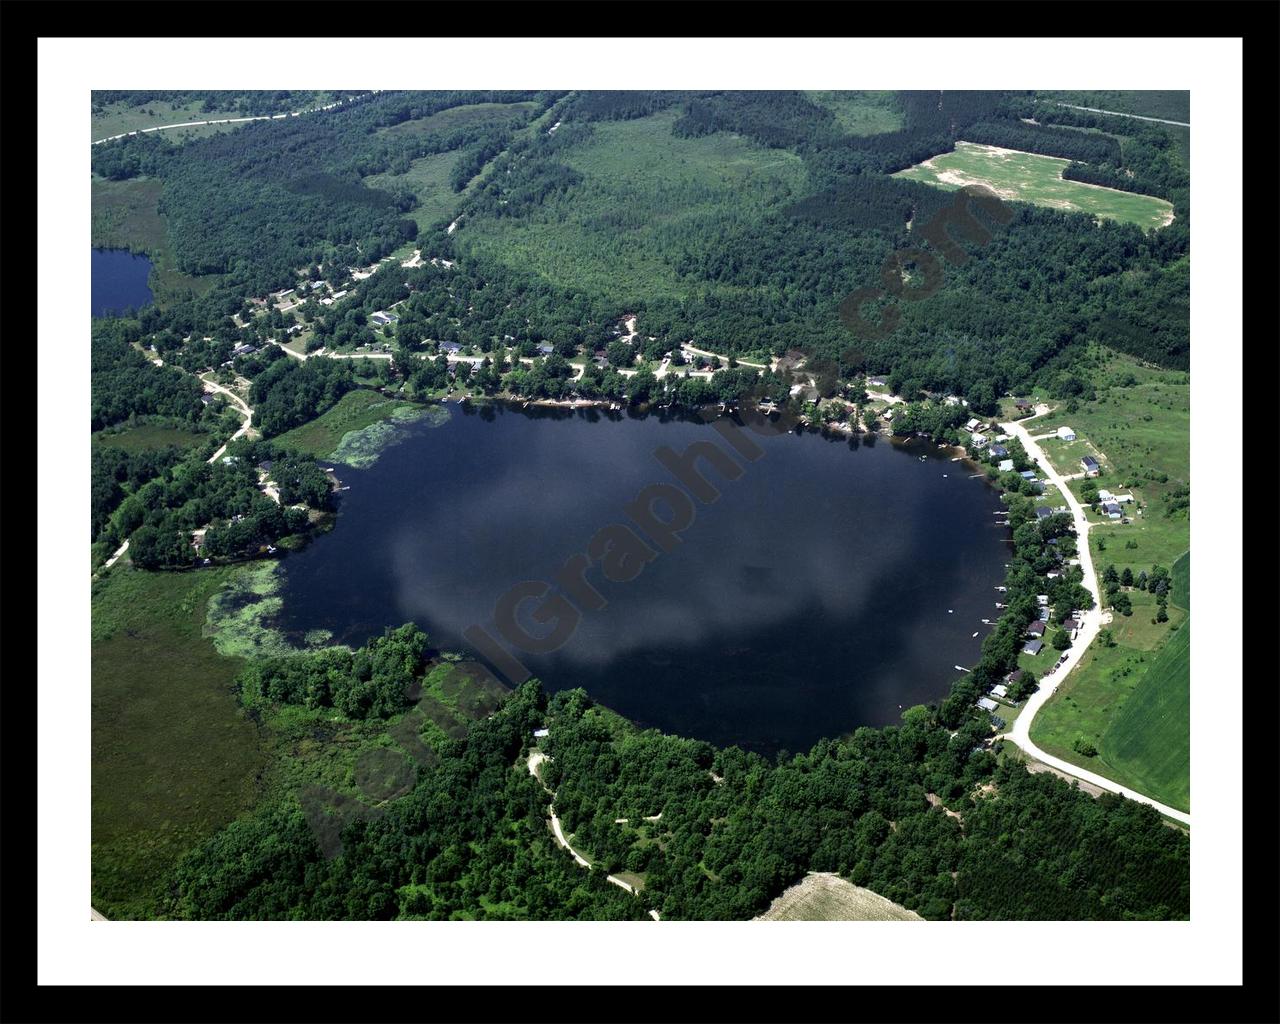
[(824, 896)]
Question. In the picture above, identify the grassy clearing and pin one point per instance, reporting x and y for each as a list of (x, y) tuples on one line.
[(458, 117), (862, 112), (118, 118), (355, 411), (147, 437), (1065, 456), (1141, 423), (614, 234), (827, 897), (1030, 178), (174, 759), (126, 215), (428, 179)]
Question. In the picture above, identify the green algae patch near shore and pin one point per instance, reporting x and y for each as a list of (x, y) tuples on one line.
[(361, 448), (239, 615)]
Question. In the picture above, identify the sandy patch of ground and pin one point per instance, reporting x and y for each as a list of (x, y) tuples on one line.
[(825, 896), (936, 801)]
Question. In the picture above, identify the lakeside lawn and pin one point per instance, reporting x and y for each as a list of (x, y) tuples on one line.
[(173, 757), (356, 410), (1031, 178)]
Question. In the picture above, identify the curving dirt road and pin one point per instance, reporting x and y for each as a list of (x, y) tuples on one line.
[(244, 411), (536, 757), (1090, 624)]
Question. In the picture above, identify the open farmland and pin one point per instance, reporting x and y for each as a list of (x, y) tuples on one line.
[(1029, 178), (823, 896), (1132, 701)]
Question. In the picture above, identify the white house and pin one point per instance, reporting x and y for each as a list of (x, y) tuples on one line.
[(1066, 434), (979, 441), (1005, 466)]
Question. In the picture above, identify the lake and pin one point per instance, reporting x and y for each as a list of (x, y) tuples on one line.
[(118, 281), (830, 585)]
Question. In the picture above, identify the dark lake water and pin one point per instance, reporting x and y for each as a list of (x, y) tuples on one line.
[(119, 281), (825, 588)]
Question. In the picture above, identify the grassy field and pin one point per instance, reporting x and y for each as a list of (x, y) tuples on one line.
[(828, 897), (457, 117), (614, 234), (1029, 178), (428, 179), (174, 758), (862, 112), (1132, 701), (355, 411), (118, 118), (148, 436), (126, 215)]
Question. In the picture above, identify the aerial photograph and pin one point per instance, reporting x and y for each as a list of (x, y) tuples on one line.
[(640, 505)]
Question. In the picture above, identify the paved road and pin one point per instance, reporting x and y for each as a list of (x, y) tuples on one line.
[(1136, 117), (1091, 623), (233, 120)]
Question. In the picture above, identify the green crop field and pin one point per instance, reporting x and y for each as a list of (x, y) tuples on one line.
[(174, 759), (614, 235), (1029, 178), (1150, 738), (862, 112)]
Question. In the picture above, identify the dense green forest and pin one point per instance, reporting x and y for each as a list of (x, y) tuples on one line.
[(471, 839)]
